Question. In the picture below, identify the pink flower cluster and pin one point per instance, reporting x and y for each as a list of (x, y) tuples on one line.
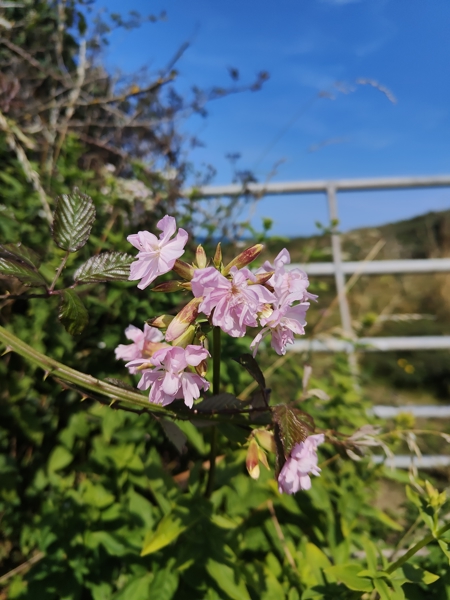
[(144, 344), (169, 380), (295, 474)]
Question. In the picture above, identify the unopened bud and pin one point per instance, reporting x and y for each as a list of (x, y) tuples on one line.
[(263, 458), (200, 257), (217, 260), (168, 286), (244, 258), (186, 338), (265, 439), (252, 460), (184, 318), (161, 322), (183, 269), (202, 368), (150, 348), (262, 278)]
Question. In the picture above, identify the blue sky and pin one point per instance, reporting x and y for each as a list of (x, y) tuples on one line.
[(309, 46)]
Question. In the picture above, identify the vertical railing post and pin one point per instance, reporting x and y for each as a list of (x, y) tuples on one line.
[(339, 276)]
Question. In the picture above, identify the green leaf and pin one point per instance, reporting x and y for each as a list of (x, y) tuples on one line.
[(73, 220), (20, 253), (348, 575), (169, 529), (136, 589), (110, 542), (445, 548), (107, 266), (72, 313), (382, 588), (59, 458), (228, 581), (219, 403), (174, 434), (294, 426), (252, 367), (415, 574), (164, 585), (22, 271)]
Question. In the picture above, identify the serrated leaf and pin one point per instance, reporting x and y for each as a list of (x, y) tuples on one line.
[(20, 253), (220, 402), (72, 313), (107, 266), (174, 435), (73, 220), (293, 426), (22, 271)]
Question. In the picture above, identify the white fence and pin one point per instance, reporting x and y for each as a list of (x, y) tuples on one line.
[(340, 269)]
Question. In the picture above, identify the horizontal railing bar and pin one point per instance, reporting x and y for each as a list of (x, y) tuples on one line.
[(305, 187), (374, 344), (378, 267), (426, 461), (421, 411)]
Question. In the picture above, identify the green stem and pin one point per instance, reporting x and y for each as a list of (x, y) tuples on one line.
[(87, 382), (215, 389), (58, 272), (424, 542)]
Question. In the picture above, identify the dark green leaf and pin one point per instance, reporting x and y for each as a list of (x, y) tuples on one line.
[(24, 273), (174, 434), (250, 364), (72, 313), (220, 402), (293, 426), (73, 220), (20, 253), (108, 266)]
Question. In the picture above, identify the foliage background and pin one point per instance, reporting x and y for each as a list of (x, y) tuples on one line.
[(84, 487)]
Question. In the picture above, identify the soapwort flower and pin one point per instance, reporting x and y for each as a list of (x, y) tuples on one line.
[(295, 474), (156, 255)]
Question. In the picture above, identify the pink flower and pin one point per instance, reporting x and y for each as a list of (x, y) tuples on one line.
[(235, 302), (169, 381), (283, 323), (156, 256), (289, 284), (145, 343), (302, 462)]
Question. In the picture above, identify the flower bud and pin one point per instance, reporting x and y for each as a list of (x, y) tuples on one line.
[(263, 458), (200, 257), (168, 286), (244, 258), (262, 278), (252, 460), (184, 318), (265, 439), (183, 269), (150, 348), (186, 338), (160, 322), (202, 368), (217, 260)]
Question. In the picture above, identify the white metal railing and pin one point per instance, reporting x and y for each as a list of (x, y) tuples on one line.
[(340, 268)]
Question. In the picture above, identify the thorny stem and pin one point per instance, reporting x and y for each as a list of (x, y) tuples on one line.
[(215, 389), (58, 272)]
